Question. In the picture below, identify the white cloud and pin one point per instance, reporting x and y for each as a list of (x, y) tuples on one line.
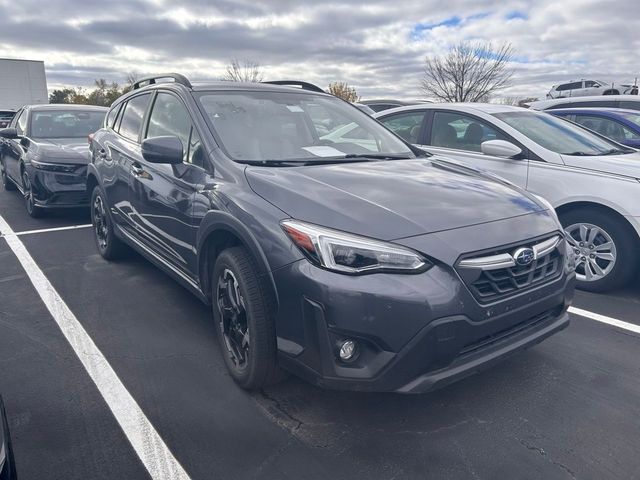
[(379, 47)]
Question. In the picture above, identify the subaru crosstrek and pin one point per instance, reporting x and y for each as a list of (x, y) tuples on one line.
[(357, 263)]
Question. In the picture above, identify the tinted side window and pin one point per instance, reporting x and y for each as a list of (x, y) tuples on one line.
[(454, 130), (574, 86), (169, 117), (564, 86), (132, 117), (21, 124), (607, 127), (406, 125), (111, 116), (630, 105), (590, 83)]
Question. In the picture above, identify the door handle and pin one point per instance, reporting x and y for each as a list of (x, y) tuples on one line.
[(136, 169)]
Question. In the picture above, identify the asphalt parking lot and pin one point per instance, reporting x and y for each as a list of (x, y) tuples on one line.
[(567, 408)]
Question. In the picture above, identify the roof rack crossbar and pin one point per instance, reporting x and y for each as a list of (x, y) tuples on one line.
[(296, 83), (177, 78)]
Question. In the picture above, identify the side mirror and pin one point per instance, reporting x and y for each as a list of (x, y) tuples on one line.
[(163, 150), (10, 133), (500, 148)]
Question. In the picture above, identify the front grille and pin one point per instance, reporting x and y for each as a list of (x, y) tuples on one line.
[(495, 284)]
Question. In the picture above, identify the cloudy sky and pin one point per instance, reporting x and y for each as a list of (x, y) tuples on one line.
[(377, 46)]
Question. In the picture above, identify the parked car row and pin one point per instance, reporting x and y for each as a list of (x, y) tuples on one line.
[(327, 245), (586, 87), (311, 229)]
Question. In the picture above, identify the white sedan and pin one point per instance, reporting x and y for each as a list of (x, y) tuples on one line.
[(592, 182)]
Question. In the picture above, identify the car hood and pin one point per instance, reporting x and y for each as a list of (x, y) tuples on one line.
[(67, 150), (627, 165), (391, 199)]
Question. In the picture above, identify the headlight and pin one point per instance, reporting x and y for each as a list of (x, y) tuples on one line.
[(53, 167), (347, 253)]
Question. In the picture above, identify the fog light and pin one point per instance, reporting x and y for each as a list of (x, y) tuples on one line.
[(348, 350)]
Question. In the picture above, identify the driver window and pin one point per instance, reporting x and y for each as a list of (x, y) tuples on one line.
[(405, 125), (462, 132), (21, 124), (169, 117)]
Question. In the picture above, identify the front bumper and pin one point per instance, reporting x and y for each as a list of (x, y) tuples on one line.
[(415, 332), (58, 189)]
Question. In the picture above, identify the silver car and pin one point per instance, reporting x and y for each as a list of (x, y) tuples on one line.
[(585, 87), (592, 182)]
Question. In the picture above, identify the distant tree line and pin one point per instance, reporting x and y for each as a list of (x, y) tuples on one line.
[(103, 93)]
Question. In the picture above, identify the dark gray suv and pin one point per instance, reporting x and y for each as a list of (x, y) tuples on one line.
[(327, 246)]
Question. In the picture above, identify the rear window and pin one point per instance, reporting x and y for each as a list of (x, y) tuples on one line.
[(65, 123)]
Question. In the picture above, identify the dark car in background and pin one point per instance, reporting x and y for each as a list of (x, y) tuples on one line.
[(618, 124), (7, 462), (44, 154), (5, 117), (356, 263)]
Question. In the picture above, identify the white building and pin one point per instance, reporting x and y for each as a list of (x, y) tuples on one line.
[(22, 82)]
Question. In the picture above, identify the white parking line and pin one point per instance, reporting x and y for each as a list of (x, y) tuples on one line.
[(604, 319), (3, 233), (145, 440)]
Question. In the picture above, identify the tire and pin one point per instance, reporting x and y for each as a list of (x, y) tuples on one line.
[(619, 264), (255, 365), (611, 92), (109, 245), (32, 209), (6, 183)]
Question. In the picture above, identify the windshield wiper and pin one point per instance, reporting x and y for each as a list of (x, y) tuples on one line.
[(376, 156), (615, 151), (579, 154)]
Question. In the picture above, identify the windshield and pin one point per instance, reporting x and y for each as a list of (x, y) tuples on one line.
[(65, 123), (263, 126), (559, 135)]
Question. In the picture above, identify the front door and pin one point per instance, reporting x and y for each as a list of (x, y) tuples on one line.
[(162, 195), (460, 136)]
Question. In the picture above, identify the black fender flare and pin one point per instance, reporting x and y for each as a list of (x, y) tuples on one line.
[(217, 221)]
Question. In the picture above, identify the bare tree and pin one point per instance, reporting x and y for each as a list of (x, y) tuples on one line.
[(470, 72), (245, 71), (514, 101), (344, 91)]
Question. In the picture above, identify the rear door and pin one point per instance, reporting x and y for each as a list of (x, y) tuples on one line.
[(123, 152), (162, 195), (460, 136)]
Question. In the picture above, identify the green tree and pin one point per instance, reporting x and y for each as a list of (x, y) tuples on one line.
[(63, 95)]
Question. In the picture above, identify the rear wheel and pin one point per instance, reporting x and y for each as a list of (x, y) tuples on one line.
[(242, 310), (611, 92), (6, 183), (109, 246), (605, 249), (29, 202)]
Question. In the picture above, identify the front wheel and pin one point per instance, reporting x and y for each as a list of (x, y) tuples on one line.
[(605, 249), (109, 246), (242, 310), (32, 209)]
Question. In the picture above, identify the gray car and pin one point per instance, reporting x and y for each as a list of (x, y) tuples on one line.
[(356, 263), (591, 181)]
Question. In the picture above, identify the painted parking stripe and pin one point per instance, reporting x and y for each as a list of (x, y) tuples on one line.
[(604, 319), (145, 440), (4, 233)]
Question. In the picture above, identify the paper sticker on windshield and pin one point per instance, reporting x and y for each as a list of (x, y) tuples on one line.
[(324, 151), (294, 108)]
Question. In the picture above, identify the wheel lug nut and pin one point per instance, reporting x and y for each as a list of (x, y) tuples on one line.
[(582, 244), (592, 256), (577, 251), (584, 258)]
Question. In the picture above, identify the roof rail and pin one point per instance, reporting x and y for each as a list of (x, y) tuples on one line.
[(296, 83), (177, 78)]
